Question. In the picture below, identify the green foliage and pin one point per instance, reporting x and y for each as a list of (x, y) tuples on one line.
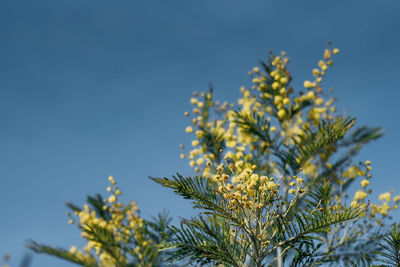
[(390, 247)]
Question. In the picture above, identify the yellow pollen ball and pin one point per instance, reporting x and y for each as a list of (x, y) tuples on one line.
[(281, 113), (275, 85), (112, 199), (364, 183), (73, 249), (199, 161), (195, 142), (189, 129), (360, 195), (385, 196)]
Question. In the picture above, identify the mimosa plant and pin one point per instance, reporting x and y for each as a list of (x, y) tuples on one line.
[(274, 186)]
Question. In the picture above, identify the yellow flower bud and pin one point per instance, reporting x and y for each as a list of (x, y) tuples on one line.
[(364, 183)]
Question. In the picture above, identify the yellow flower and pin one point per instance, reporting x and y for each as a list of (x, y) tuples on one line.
[(291, 191), (281, 113), (73, 249), (360, 195), (352, 172), (319, 101), (385, 196), (112, 199), (283, 80), (195, 142), (316, 72), (367, 162), (270, 185), (286, 101), (199, 161), (275, 85), (364, 183), (189, 129), (111, 179), (335, 51), (327, 54), (308, 84)]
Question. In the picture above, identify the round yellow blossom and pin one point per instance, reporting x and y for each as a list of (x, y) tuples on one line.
[(367, 162), (286, 101), (319, 101), (283, 80), (189, 129), (385, 196), (335, 51), (112, 199), (396, 198), (195, 142), (360, 195), (199, 161), (291, 191), (316, 72), (364, 183), (73, 249), (275, 85), (272, 128), (256, 69), (193, 101), (182, 156), (200, 104), (281, 113)]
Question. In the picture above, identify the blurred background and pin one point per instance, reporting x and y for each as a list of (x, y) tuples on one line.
[(90, 89)]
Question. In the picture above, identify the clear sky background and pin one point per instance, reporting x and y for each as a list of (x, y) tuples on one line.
[(90, 89)]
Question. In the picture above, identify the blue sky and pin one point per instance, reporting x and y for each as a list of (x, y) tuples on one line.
[(96, 88)]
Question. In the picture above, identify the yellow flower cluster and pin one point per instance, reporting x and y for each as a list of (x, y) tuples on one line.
[(121, 220), (278, 116), (245, 189)]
